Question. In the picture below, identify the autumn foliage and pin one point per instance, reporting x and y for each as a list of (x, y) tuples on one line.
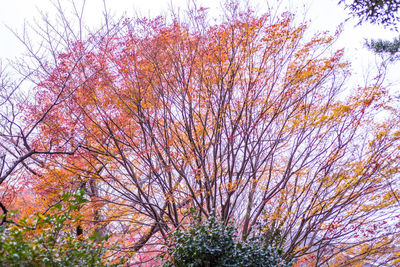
[(243, 116)]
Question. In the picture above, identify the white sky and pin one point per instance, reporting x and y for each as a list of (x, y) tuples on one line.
[(323, 14)]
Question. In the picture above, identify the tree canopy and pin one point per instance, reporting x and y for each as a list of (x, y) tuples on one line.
[(384, 12), (243, 118)]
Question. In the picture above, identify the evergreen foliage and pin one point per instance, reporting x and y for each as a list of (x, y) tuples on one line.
[(211, 243), (384, 46), (384, 12)]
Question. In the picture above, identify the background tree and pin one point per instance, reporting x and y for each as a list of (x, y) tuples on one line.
[(16, 147), (388, 47), (20, 159), (383, 12)]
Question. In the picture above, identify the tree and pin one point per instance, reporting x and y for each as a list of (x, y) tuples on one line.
[(383, 12), (380, 46), (15, 146), (19, 159), (243, 117)]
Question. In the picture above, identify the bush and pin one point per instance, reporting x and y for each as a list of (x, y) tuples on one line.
[(211, 243), (44, 240)]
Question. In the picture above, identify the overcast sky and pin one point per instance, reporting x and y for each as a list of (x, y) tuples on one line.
[(322, 14)]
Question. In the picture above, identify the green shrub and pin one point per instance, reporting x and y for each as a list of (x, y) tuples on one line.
[(22, 244), (211, 243)]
